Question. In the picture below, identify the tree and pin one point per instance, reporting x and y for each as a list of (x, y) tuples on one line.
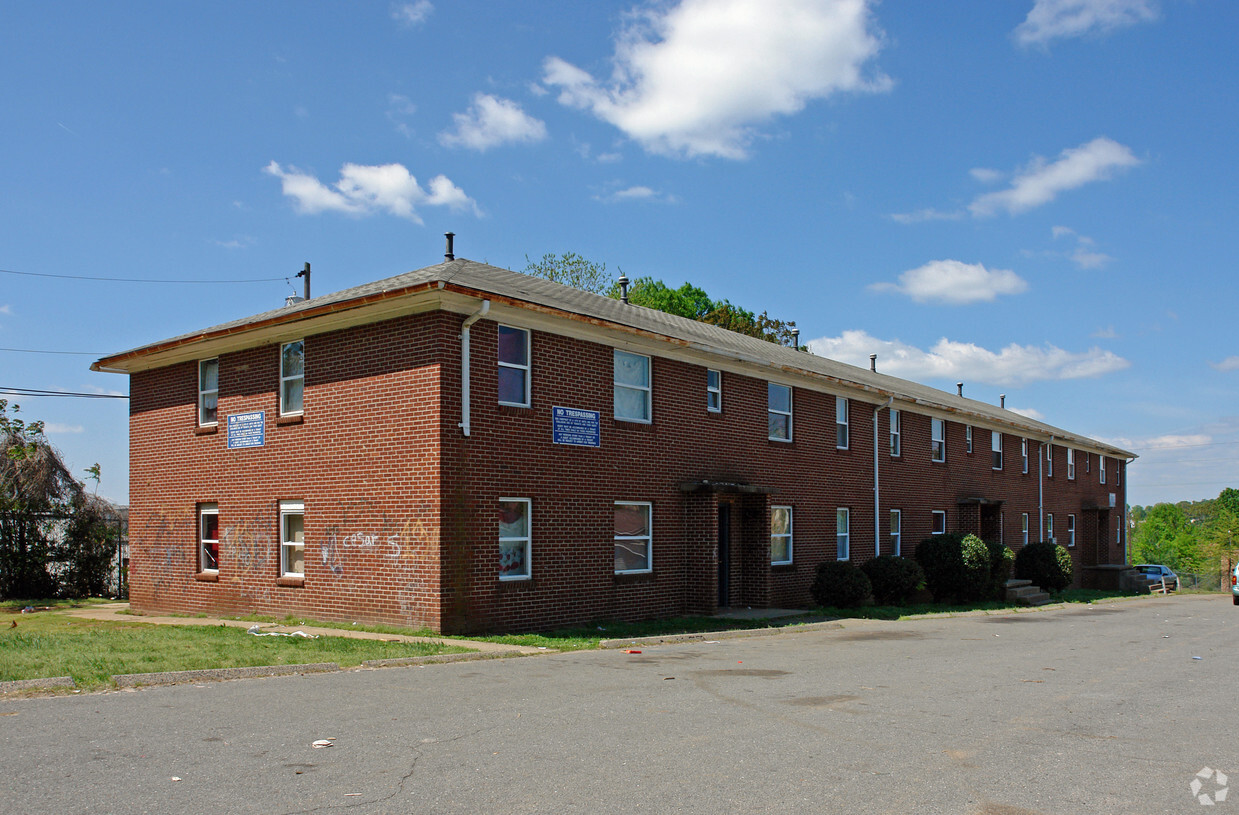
[(1166, 537), (572, 270)]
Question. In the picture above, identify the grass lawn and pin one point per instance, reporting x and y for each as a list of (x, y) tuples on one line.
[(50, 643)]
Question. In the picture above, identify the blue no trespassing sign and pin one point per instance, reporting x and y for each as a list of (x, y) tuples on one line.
[(246, 429), (575, 426)]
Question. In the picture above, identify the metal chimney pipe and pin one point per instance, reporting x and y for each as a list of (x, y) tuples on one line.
[(449, 254), (959, 386), (1002, 400), (873, 362), (623, 284), (796, 339)]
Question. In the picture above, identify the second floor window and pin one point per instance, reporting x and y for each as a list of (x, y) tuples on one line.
[(632, 387), (208, 391), (894, 419), (937, 439), (292, 377), (841, 423), (714, 391), (1071, 463), (513, 366), (779, 412), (996, 447)]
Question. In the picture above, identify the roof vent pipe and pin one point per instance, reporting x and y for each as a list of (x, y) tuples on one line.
[(959, 386), (1002, 400), (873, 363), (623, 284), (796, 339), (449, 254)]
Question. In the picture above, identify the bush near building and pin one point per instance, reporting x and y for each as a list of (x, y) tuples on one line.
[(839, 584), (1046, 564), (893, 578)]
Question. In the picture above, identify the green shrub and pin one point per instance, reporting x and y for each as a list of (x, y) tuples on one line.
[(1001, 561), (893, 578), (1047, 565), (957, 567), (840, 584)]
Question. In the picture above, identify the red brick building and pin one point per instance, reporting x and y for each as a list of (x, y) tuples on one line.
[(468, 448)]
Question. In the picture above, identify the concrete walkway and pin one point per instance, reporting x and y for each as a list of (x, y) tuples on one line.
[(116, 612)]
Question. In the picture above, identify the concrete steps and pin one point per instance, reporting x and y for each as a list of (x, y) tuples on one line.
[(1025, 593)]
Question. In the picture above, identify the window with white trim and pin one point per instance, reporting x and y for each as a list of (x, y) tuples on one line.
[(1071, 530), (996, 449), (780, 536), (514, 369), (939, 522), (779, 412), (841, 423), (1118, 473), (894, 426), (292, 539), (1049, 526), (1101, 468), (968, 439), (714, 391), (1024, 528), (292, 378), (1024, 454), (1088, 463), (1049, 461), (1071, 463), (634, 538), (842, 533), (632, 387), (896, 532), (208, 537), (515, 538), (208, 391), (937, 439)]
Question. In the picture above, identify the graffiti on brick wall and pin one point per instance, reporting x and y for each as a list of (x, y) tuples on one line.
[(249, 545), (162, 537), (392, 540)]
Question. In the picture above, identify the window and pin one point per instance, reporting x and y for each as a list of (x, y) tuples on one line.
[(1049, 526), (292, 377), (208, 391), (841, 423), (1024, 454), (292, 539), (1071, 530), (632, 387), (780, 535), (513, 366), (208, 537), (514, 538), (1071, 464), (996, 447), (1118, 474), (1024, 529), (779, 412), (894, 421), (842, 538), (1088, 462), (939, 526), (968, 439), (1101, 468), (896, 532), (633, 538), (714, 391), (1049, 461), (937, 435)]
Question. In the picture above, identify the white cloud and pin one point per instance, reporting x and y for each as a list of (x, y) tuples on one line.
[(1172, 441), (491, 121), (929, 214), (236, 243), (6, 309), (365, 189), (1228, 364), (1052, 19), (1031, 413), (1084, 256), (636, 193), (1041, 182), (400, 106), (987, 176), (954, 282), (1013, 365), (412, 14), (53, 427), (694, 79), (1107, 333)]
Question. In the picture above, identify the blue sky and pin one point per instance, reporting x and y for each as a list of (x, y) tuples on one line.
[(1036, 197)]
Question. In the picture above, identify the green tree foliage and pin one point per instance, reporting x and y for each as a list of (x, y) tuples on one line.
[(572, 270), (55, 538), (1165, 536)]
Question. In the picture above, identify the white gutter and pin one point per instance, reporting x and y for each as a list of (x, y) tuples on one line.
[(464, 363), (877, 510)]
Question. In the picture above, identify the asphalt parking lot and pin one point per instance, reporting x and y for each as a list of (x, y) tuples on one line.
[(1110, 708)]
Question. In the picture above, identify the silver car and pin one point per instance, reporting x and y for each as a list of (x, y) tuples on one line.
[(1161, 574)]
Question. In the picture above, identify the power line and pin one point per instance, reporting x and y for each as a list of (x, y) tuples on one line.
[(138, 279), (34, 351), (5, 389)]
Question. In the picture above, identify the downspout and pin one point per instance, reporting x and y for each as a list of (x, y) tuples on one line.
[(464, 363), (877, 509)]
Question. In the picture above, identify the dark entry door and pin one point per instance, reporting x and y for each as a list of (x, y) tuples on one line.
[(724, 555)]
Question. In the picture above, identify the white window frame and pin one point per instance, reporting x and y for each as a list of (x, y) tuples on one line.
[(938, 529), (1049, 526), (1118, 473), (996, 448), (1071, 530), (647, 389), (1024, 454), (843, 533), (968, 439), (204, 392), (791, 407), (1101, 468), (841, 423), (526, 539), (896, 523), (1071, 464), (286, 380), (1049, 460), (1088, 463), (203, 511), (893, 416), (649, 538), (714, 391), (788, 535), (526, 367), (1024, 527), (289, 509), (937, 440)]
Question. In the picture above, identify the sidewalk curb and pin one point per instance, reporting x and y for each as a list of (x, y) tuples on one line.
[(735, 633), (178, 677), (47, 683)]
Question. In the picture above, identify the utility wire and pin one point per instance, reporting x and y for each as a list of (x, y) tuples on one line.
[(5, 389), (138, 279)]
